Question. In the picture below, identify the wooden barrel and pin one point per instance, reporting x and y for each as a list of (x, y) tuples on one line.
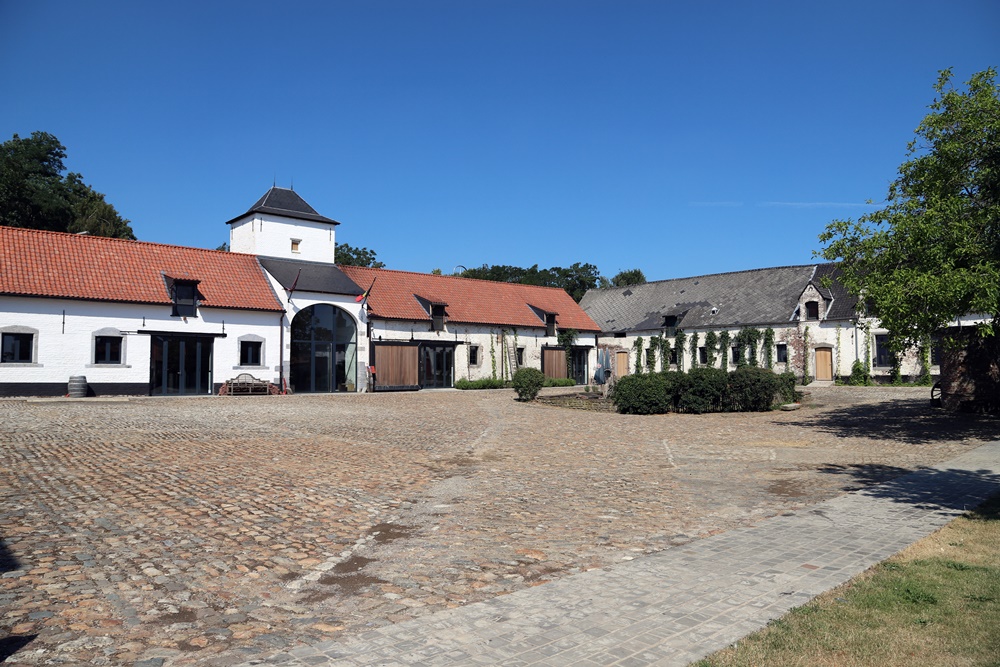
[(78, 386)]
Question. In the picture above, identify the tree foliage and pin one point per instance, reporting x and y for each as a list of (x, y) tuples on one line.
[(576, 279), (933, 252), (35, 194), (629, 277), (347, 255)]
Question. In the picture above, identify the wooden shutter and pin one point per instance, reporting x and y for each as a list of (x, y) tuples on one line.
[(554, 363), (395, 366)]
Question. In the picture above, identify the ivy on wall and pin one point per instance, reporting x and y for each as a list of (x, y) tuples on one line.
[(694, 349), (805, 356), (679, 339), (711, 343), (724, 349), (664, 353), (637, 346), (566, 338), (651, 352), (769, 348)]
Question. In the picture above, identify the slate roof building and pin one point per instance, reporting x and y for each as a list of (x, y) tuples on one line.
[(147, 318), (817, 329)]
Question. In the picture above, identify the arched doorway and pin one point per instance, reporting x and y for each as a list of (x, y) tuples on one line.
[(324, 350)]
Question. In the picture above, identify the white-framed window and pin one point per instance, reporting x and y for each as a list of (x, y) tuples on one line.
[(295, 245), (251, 349), (107, 347), (18, 345)]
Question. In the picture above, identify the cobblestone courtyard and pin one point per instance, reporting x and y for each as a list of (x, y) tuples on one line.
[(210, 531)]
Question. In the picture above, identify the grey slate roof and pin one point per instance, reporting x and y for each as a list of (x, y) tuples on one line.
[(288, 203), (742, 298), (310, 276)]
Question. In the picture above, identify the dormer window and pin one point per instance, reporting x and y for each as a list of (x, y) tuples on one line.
[(295, 245), (550, 324), (812, 310), (670, 325), (185, 297), (437, 316)]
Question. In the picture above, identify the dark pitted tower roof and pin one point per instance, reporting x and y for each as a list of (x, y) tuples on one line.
[(287, 203)]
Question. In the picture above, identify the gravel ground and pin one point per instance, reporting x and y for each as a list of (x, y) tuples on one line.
[(213, 530)]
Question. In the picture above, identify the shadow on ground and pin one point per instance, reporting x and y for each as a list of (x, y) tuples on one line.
[(926, 488), (912, 421), (11, 644), (8, 561)]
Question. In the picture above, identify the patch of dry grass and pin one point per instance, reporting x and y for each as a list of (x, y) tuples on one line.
[(936, 603)]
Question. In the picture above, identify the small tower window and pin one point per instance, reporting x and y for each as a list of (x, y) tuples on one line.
[(295, 244), (437, 317)]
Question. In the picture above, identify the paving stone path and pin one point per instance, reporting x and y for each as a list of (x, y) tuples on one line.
[(174, 532), (680, 605)]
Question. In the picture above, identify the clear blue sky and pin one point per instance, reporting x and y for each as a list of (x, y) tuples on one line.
[(677, 137)]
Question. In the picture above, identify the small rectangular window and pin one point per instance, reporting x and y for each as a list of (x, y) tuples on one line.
[(781, 353), (17, 348), (185, 299), (936, 351), (107, 349), (473, 355), (883, 356), (295, 244), (520, 356), (736, 355), (437, 317), (812, 310), (673, 356), (250, 352), (702, 355), (550, 324)]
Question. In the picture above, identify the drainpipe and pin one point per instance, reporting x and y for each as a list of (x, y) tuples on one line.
[(281, 352)]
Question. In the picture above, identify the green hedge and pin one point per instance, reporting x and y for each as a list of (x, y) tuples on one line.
[(485, 383), (527, 382), (642, 394), (560, 382), (703, 389)]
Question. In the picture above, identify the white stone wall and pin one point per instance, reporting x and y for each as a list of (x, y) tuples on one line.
[(64, 342), (273, 236), (845, 339), (483, 336)]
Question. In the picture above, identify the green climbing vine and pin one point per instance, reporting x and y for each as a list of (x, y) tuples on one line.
[(805, 356), (637, 346), (724, 349), (693, 346), (711, 343), (664, 353), (566, 338), (493, 354), (746, 346), (679, 339), (769, 348), (651, 352)]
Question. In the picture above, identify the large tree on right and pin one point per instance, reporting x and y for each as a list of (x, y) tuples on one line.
[(932, 253)]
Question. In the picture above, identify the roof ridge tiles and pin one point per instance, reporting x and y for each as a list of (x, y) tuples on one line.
[(721, 273), (88, 237), (475, 280)]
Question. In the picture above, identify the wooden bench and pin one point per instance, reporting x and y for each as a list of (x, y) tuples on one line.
[(245, 384)]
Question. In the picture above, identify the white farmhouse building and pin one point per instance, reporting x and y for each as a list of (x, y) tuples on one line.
[(146, 318)]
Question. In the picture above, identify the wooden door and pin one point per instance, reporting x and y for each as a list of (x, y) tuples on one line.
[(621, 363), (554, 363), (396, 367), (824, 363)]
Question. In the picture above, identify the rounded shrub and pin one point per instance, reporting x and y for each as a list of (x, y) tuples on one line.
[(527, 382), (752, 389), (705, 390), (786, 388), (641, 394)]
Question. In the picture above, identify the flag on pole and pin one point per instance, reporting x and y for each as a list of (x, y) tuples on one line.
[(364, 295)]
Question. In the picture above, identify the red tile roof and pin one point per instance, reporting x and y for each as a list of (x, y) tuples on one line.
[(53, 264), (395, 293)]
